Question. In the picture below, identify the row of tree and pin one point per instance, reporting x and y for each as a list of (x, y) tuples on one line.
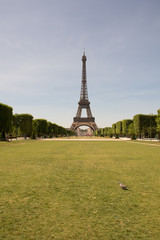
[(18, 125), (24, 125), (141, 126)]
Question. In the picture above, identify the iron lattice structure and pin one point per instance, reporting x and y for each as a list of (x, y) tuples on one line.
[(84, 104)]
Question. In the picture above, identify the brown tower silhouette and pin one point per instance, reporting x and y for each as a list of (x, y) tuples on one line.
[(84, 104)]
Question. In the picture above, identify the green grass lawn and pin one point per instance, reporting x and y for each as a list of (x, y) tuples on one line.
[(70, 190)]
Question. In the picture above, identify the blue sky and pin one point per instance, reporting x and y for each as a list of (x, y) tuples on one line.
[(41, 45)]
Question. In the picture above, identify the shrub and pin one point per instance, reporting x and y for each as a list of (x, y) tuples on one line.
[(119, 128), (5, 118), (144, 125), (125, 125)]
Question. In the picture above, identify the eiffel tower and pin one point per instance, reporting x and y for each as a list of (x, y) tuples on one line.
[(84, 104)]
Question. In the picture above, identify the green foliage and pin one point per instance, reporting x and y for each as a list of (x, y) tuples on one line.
[(125, 126), (70, 132), (62, 131), (33, 136), (131, 131), (43, 128), (144, 125), (34, 128), (102, 134), (108, 131), (55, 129), (119, 128), (2, 136), (138, 121), (49, 129), (158, 122), (40, 127), (5, 118), (97, 133), (114, 129), (105, 131), (22, 124)]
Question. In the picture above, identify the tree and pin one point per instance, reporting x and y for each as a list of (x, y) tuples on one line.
[(70, 132), (34, 129), (108, 131), (131, 131), (119, 128), (152, 126), (158, 123), (5, 118), (102, 132), (97, 133), (26, 124), (23, 124), (105, 130), (138, 123), (114, 129), (144, 125), (62, 131), (40, 127), (49, 129), (55, 129), (125, 125), (16, 121)]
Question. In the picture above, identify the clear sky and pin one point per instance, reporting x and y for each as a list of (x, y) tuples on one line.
[(41, 45)]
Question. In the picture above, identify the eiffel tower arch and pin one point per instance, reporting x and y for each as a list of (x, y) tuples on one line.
[(84, 104)]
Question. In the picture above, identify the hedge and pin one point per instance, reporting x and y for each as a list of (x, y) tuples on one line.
[(5, 118), (125, 126), (119, 128)]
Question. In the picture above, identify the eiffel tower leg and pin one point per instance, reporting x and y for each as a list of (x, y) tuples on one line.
[(79, 111), (89, 113)]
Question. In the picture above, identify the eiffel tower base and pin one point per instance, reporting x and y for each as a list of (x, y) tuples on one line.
[(78, 122)]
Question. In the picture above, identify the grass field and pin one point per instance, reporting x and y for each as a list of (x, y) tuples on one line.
[(70, 190)]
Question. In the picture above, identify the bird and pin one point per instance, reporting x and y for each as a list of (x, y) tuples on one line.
[(123, 186)]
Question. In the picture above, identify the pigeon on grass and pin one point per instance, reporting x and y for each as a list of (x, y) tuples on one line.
[(123, 186)]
